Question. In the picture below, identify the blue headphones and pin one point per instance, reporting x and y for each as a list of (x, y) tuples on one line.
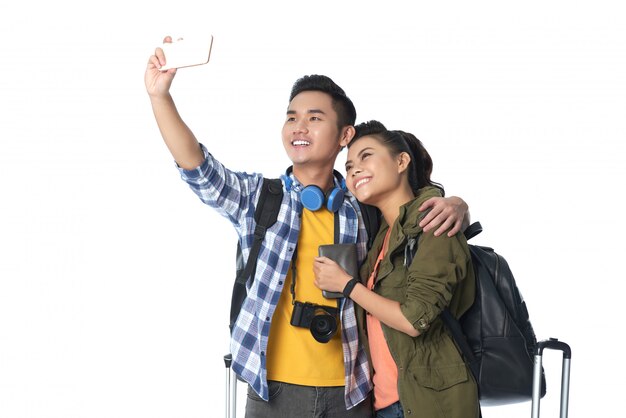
[(313, 197)]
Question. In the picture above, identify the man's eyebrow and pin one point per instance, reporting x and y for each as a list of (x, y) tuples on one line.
[(293, 112)]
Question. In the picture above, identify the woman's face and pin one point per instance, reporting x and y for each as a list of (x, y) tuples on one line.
[(371, 172)]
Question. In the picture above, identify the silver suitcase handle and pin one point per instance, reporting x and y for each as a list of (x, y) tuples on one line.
[(551, 344)]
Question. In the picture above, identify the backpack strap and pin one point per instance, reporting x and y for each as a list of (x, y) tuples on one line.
[(448, 319), (454, 325), (473, 230), (265, 215), (458, 335), (371, 218)]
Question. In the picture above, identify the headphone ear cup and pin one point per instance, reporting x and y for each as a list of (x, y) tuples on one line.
[(334, 199), (312, 197)]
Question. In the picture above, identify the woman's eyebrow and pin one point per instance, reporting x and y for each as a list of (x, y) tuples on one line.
[(359, 153)]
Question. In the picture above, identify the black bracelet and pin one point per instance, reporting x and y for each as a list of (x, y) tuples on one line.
[(349, 286)]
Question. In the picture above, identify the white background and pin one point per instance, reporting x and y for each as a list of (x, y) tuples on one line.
[(115, 280)]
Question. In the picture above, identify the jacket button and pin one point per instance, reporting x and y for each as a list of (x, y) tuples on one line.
[(422, 323), (408, 412)]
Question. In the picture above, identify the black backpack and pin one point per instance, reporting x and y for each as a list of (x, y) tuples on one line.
[(265, 216), (495, 335)]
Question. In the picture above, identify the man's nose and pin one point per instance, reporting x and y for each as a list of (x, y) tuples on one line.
[(300, 126)]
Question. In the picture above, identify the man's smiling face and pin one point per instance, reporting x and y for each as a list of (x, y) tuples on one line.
[(310, 133)]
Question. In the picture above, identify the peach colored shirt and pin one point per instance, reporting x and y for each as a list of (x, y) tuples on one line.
[(385, 369)]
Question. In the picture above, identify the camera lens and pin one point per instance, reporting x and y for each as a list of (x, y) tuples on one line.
[(323, 327)]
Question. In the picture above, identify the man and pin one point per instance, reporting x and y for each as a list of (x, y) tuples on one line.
[(290, 373)]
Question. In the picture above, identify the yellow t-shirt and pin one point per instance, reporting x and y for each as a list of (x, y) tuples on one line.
[(293, 355)]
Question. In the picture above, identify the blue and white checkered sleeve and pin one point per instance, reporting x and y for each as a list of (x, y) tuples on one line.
[(229, 192)]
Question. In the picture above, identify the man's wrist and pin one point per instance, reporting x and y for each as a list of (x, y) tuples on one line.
[(347, 290)]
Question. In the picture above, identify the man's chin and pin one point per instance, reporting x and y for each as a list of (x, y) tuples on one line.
[(297, 157)]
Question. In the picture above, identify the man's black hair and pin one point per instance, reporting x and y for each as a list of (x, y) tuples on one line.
[(346, 113)]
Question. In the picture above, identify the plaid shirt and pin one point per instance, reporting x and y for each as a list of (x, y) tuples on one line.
[(234, 195)]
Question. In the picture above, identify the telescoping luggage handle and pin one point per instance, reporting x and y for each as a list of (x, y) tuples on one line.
[(552, 344), (231, 388)]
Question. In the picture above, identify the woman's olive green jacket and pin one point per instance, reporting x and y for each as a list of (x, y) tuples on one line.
[(433, 381)]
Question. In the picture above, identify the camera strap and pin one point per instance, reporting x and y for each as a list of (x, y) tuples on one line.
[(295, 257)]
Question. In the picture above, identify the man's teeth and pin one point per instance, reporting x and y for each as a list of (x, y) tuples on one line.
[(300, 142)]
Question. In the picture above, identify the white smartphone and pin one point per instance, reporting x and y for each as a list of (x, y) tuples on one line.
[(187, 52)]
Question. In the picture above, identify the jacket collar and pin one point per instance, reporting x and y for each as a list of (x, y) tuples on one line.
[(405, 226)]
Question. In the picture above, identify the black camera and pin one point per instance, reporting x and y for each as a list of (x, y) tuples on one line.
[(321, 320)]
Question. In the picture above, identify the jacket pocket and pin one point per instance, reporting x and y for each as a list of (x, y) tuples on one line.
[(440, 378)]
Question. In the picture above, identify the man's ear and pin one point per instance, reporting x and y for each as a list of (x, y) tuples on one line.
[(347, 133)]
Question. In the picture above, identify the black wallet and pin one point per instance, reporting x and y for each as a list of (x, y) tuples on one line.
[(346, 256)]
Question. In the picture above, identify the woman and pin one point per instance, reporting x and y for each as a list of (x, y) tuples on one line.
[(418, 371)]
